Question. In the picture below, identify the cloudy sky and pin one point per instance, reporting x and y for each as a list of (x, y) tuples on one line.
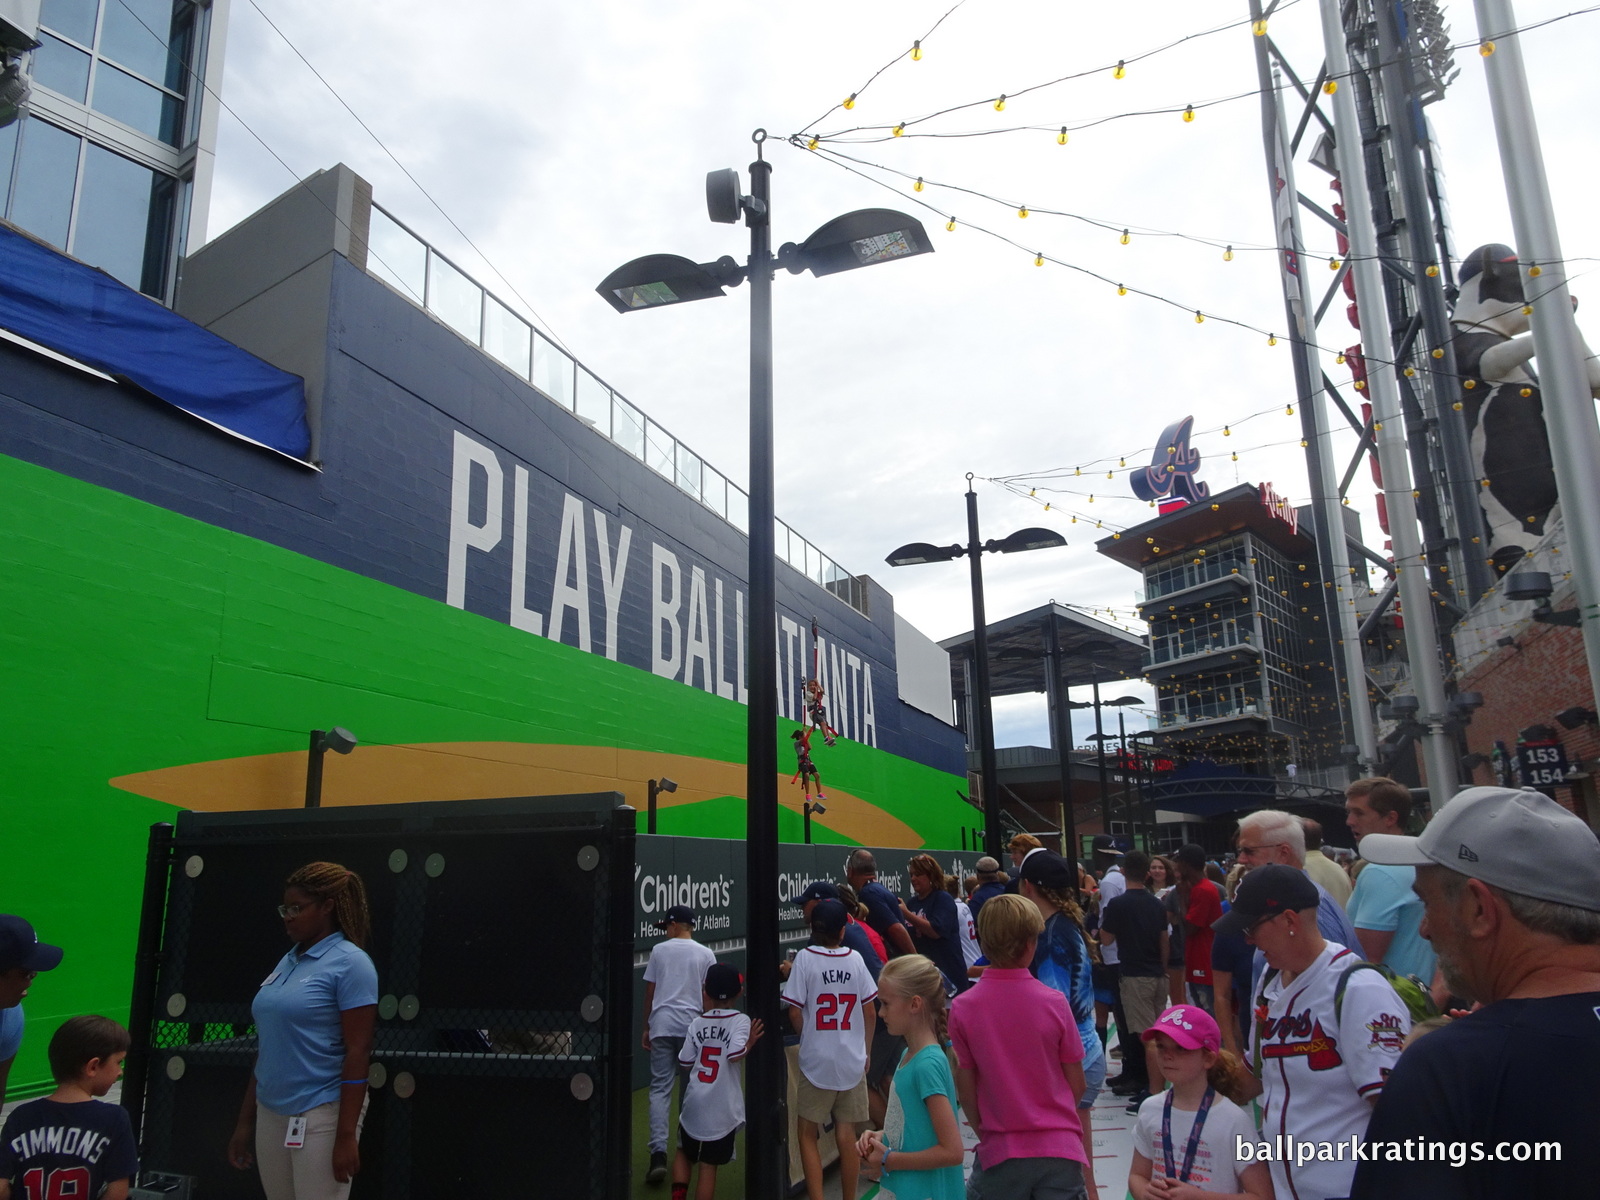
[(564, 139)]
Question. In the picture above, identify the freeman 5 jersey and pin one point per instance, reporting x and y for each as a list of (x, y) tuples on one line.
[(713, 1049), (832, 988), (1320, 1069)]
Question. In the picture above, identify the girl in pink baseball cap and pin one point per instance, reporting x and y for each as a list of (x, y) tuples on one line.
[(1185, 1139)]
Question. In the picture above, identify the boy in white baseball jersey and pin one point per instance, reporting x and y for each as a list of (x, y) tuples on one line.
[(830, 995), (713, 1109), (672, 998), (1327, 1033)]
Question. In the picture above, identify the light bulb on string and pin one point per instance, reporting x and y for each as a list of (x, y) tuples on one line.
[(1272, 339), (813, 143), (950, 225), (1259, 28), (1536, 270), (1000, 104), (1199, 318), (1023, 212), (1333, 264), (1188, 113), (900, 129), (1038, 260), (1227, 255), (1330, 87), (1121, 290), (1226, 431), (850, 102), (1433, 271), (1120, 70), (916, 51), (1061, 138), (1486, 49), (1126, 237), (1438, 351), (1288, 410), (917, 186)]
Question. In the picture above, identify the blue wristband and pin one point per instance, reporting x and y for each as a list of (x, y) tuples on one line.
[(885, 1164)]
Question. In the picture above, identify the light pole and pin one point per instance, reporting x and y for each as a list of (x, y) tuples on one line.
[(657, 786), (857, 239), (340, 741), (810, 807), (923, 552)]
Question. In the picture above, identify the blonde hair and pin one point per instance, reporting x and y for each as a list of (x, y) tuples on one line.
[(852, 902), (330, 881), (914, 975), (1005, 925), (1067, 906), (1024, 841)]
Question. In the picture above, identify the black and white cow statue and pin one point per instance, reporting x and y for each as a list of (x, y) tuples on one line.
[(1501, 401)]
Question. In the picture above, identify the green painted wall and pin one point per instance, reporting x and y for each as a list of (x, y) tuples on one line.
[(137, 639)]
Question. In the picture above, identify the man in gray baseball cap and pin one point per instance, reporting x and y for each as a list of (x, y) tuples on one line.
[(1510, 883)]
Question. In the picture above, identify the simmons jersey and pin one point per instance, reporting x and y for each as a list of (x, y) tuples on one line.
[(1319, 1068), (713, 1050), (832, 988), (49, 1149)]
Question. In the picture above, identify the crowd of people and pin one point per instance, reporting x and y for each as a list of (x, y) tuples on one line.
[(1431, 1030)]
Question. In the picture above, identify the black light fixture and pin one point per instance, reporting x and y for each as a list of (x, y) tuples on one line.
[(1577, 717), (859, 239), (1537, 587), (812, 808), (657, 786), (340, 741), (1472, 762), (916, 553), (1536, 733)]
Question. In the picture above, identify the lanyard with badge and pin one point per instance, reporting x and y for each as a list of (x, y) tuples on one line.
[(1193, 1147)]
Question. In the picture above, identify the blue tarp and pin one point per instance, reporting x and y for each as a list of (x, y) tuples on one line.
[(85, 314)]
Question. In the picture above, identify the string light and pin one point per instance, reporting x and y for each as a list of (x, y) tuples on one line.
[(1188, 112), (1126, 237), (1486, 49), (1433, 271), (1039, 261), (1121, 291), (1330, 87), (900, 129), (950, 225), (916, 51), (1272, 339), (1061, 138), (813, 143), (1259, 28), (1023, 212), (1121, 69), (1000, 104), (1227, 255), (850, 102), (1199, 318), (917, 186)]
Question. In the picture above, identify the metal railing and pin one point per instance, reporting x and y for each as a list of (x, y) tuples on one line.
[(1185, 714), (1174, 646), (419, 272)]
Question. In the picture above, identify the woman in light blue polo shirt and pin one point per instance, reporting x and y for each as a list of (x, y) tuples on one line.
[(301, 1117)]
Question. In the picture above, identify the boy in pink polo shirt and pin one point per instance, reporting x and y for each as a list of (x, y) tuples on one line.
[(1009, 1030)]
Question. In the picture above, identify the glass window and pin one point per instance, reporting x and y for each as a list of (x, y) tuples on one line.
[(134, 102), (552, 372), (594, 402), (454, 299), (688, 477), (716, 490), (659, 450), (47, 172), (150, 37), (738, 509), (507, 336), (396, 257), (61, 68), (797, 552), (75, 18), (8, 154), (124, 219), (627, 426)]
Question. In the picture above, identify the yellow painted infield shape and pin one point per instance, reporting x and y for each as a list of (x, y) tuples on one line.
[(479, 770)]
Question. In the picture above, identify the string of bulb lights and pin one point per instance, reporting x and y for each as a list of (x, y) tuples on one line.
[(1127, 231), (1199, 314), (1117, 71)]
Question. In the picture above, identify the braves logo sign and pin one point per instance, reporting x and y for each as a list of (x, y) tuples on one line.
[(1298, 1036), (1172, 468)]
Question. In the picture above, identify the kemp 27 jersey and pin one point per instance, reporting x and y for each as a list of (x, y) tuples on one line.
[(833, 989), (713, 1106)]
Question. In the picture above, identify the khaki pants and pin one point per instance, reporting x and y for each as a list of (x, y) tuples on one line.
[(1143, 999), (306, 1173)]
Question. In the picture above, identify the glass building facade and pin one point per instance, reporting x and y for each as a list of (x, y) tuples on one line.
[(111, 162)]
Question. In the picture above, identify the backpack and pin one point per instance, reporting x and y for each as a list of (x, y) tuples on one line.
[(1413, 993)]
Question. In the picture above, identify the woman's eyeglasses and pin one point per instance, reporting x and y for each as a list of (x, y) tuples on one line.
[(290, 910)]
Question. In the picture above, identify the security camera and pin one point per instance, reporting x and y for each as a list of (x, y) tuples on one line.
[(817, 809)]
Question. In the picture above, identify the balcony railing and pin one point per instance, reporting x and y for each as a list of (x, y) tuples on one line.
[(418, 271), (1197, 710), (1192, 575), (1171, 647)]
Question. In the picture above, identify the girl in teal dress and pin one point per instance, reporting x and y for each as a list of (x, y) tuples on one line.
[(918, 1154)]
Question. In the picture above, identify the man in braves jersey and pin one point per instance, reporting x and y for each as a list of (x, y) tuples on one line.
[(713, 1107), (830, 997), (1327, 1032)]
